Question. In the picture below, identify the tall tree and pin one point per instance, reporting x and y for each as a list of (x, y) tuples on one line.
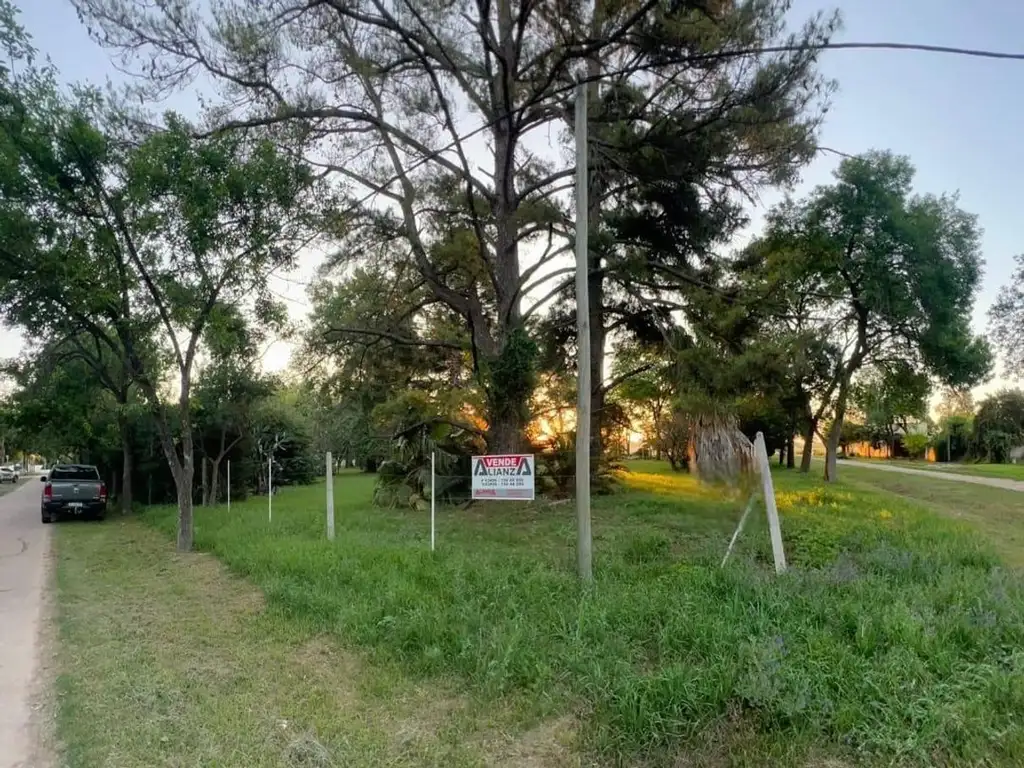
[(891, 400), (85, 351), (228, 389), (999, 425), (955, 401), (676, 154), (897, 274), (384, 90), (1007, 321), (117, 240)]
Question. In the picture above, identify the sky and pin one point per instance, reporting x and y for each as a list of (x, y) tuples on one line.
[(959, 119)]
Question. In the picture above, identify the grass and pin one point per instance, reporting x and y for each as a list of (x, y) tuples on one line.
[(997, 513), (894, 639), (6, 488), (998, 471), (167, 660)]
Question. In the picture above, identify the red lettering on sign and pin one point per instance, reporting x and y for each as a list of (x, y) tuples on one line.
[(503, 461)]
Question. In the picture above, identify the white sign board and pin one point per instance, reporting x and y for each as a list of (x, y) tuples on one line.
[(509, 476)]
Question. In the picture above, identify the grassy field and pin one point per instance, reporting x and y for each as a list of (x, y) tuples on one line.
[(895, 638), (168, 660), (8, 487), (999, 471), (996, 512)]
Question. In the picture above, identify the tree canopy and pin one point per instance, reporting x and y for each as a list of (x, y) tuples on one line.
[(894, 276)]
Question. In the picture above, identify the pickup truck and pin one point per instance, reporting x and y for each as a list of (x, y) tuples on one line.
[(8, 474), (75, 489)]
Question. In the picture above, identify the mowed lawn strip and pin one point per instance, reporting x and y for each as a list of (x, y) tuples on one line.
[(997, 471), (8, 487), (997, 513), (896, 638), (167, 660)]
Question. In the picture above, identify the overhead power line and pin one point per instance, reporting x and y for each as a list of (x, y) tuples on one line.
[(737, 53)]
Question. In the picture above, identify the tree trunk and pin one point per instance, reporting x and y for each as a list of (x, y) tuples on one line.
[(831, 450), (790, 449), (835, 432), (597, 390), (185, 516), (182, 467), (805, 459), (505, 434), (782, 454), (215, 480), (183, 471), (595, 276), (204, 481), (185, 512), (127, 466)]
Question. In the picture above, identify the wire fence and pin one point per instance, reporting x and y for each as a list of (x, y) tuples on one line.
[(539, 480)]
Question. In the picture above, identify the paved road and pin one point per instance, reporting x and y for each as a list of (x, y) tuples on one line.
[(24, 549), (995, 482)]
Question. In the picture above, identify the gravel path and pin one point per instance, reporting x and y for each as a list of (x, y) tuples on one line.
[(995, 482), (24, 549)]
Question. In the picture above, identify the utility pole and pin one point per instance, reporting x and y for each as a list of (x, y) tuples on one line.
[(584, 553)]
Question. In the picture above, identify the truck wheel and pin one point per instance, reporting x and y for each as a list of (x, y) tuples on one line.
[(46, 517)]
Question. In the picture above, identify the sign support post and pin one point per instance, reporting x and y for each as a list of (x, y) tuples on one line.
[(433, 474), (330, 497), (768, 490)]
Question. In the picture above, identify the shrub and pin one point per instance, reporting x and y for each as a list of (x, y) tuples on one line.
[(916, 444)]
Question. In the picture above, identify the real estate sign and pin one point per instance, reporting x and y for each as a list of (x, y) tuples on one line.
[(509, 476)]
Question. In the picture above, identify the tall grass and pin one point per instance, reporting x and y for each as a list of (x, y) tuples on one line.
[(896, 636)]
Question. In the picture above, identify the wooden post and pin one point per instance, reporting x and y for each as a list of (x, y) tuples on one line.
[(769, 502), (584, 543), (330, 497), (433, 474), (739, 528)]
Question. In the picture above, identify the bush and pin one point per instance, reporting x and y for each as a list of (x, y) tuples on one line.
[(916, 444), (556, 467), (673, 439), (999, 426)]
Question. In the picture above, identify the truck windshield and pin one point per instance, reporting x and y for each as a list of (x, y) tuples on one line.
[(74, 473)]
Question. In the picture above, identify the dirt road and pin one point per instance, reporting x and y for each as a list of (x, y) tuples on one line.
[(24, 548), (994, 482)]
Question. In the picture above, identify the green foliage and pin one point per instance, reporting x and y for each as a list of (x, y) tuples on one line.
[(673, 439), (1007, 319), (890, 620), (510, 378), (417, 428), (953, 440), (281, 432), (854, 432), (999, 426), (890, 399), (758, 413), (894, 274), (145, 248), (556, 468), (916, 444)]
